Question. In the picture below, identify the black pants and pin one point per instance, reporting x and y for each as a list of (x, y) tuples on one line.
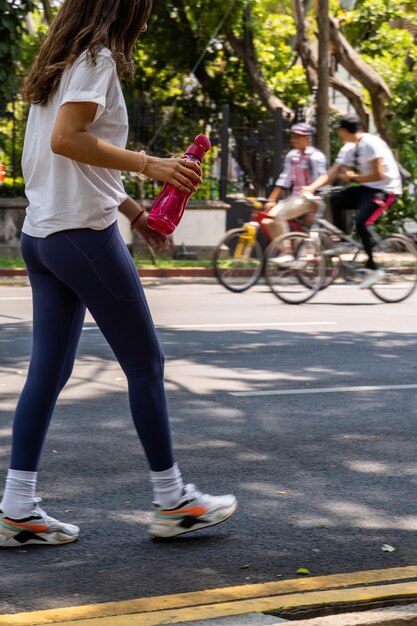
[(362, 200)]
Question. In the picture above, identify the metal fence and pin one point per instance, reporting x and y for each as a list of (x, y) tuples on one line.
[(245, 159)]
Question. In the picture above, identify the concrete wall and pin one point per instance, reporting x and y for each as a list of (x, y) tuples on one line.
[(12, 214), (201, 228)]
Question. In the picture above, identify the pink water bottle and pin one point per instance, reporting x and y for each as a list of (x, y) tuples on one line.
[(169, 205)]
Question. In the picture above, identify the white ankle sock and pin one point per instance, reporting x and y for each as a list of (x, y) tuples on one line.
[(168, 486), (19, 493)]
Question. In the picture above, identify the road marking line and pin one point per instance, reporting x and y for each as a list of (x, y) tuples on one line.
[(224, 597), (242, 607), (225, 325), (289, 392), (263, 325), (249, 325)]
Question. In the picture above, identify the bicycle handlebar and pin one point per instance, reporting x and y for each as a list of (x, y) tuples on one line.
[(313, 197)]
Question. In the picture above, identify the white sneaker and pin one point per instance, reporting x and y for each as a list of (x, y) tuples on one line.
[(283, 259), (372, 277), (36, 527), (194, 511)]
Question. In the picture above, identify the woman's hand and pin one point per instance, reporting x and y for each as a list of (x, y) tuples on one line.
[(158, 242), (183, 174)]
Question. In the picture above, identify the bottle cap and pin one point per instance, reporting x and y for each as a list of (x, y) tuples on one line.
[(200, 146)]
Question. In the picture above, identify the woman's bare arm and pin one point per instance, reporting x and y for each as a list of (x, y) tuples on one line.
[(159, 242), (71, 138)]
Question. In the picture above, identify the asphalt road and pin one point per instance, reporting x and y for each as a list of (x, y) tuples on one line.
[(325, 471)]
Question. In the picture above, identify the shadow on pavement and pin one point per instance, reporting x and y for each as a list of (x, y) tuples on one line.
[(323, 480)]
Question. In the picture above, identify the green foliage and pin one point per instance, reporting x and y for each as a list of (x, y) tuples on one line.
[(378, 31), (404, 131), (363, 23), (12, 27), (381, 31), (31, 41), (14, 112), (186, 61), (12, 262), (10, 188), (12, 128), (274, 35), (187, 70), (393, 219)]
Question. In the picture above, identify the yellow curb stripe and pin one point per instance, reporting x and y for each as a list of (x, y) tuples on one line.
[(208, 596), (276, 603)]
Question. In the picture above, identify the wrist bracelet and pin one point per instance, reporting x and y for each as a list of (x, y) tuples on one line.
[(144, 162), (135, 219)]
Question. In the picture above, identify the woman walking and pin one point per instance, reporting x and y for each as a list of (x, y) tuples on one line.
[(74, 152)]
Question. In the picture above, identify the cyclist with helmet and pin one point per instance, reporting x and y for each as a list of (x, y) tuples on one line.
[(303, 165)]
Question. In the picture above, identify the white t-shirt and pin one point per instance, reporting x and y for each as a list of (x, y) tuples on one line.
[(62, 193), (361, 154)]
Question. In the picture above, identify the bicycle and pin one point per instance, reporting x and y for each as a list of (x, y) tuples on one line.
[(330, 255), (239, 258)]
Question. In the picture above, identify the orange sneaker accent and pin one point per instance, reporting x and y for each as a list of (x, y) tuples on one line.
[(192, 510), (35, 528)]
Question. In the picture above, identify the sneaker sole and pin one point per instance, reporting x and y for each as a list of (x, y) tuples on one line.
[(370, 284), (41, 539), (171, 529)]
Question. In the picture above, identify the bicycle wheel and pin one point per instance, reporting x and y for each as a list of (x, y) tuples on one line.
[(297, 281), (397, 256), (236, 265)]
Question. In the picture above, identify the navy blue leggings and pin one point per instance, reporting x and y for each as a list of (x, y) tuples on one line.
[(69, 271)]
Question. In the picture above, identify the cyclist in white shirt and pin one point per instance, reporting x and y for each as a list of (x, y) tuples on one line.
[(302, 165), (367, 163)]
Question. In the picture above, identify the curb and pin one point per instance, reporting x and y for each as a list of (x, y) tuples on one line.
[(13, 272), (158, 272), (10, 277), (272, 602)]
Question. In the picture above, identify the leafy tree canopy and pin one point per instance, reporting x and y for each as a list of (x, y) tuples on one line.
[(189, 65), (12, 27)]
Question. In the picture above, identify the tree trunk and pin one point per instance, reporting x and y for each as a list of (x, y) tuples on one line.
[(310, 64), (353, 95), (307, 56), (246, 51), (365, 74), (267, 98), (323, 132), (47, 9)]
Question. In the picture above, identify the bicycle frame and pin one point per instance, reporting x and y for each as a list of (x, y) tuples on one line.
[(247, 239), (331, 228), (256, 223)]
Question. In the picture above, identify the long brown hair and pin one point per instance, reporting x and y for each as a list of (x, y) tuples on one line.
[(86, 25)]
